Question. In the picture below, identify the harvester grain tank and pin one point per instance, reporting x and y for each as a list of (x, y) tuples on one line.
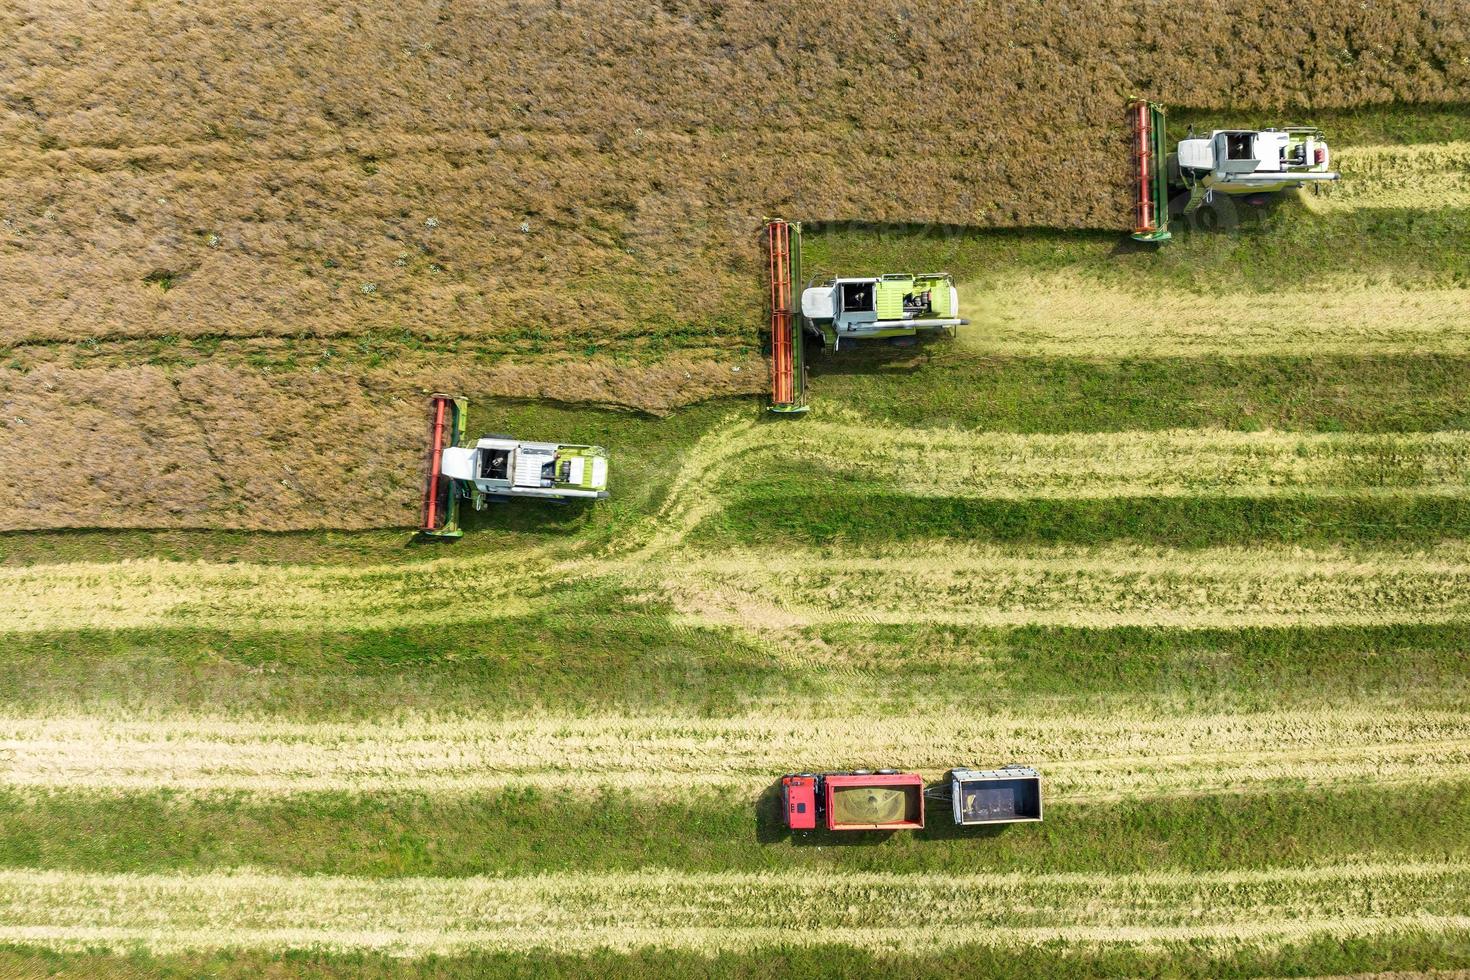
[(1227, 161), (859, 800), (499, 468)]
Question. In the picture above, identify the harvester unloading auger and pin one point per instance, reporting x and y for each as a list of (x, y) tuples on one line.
[(1228, 161), (497, 468), (889, 306)]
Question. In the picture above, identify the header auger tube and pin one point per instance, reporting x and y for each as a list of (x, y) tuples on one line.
[(1150, 172), (788, 363)]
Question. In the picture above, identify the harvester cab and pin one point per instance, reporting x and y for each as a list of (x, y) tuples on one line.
[(1227, 161), (499, 468)]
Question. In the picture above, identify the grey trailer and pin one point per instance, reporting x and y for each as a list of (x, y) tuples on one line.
[(1011, 794)]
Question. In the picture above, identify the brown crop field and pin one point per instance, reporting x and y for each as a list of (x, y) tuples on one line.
[(217, 187), (243, 169)]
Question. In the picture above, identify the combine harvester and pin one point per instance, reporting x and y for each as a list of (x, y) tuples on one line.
[(889, 306), (1228, 161), (892, 800), (498, 468)]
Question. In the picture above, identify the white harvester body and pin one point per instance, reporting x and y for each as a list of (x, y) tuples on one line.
[(872, 307), (1244, 161), (500, 467)]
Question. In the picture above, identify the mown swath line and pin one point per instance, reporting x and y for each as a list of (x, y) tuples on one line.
[(929, 583), (953, 583), (1400, 176), (1069, 314), (732, 910), (1129, 751), (1189, 462)]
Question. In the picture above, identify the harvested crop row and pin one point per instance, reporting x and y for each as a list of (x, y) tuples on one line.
[(135, 594), (1076, 465), (1088, 587), (1430, 175), (718, 911), (1124, 464), (934, 583), (1066, 314), (1140, 750)]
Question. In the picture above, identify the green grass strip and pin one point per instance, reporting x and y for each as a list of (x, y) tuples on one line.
[(611, 657), (830, 514), (525, 831), (945, 385)]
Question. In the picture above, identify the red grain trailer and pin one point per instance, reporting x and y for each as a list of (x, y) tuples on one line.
[(859, 800)]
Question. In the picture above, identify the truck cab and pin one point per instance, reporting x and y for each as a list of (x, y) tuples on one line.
[(858, 800)]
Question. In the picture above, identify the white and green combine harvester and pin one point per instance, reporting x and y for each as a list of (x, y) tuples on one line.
[(881, 307), (845, 308), (1227, 161), (499, 467)]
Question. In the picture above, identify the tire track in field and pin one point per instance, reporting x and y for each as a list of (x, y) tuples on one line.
[(711, 912), (1128, 751)]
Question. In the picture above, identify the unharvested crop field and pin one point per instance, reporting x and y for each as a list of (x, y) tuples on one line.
[(1188, 529)]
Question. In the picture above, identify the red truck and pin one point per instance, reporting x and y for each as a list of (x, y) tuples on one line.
[(858, 800)]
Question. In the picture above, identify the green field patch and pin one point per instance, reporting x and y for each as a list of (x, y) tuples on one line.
[(602, 653), (945, 385), (530, 831), (833, 513)]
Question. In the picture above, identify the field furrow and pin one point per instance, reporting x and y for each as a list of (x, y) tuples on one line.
[(1141, 751), (1067, 314), (715, 911)]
